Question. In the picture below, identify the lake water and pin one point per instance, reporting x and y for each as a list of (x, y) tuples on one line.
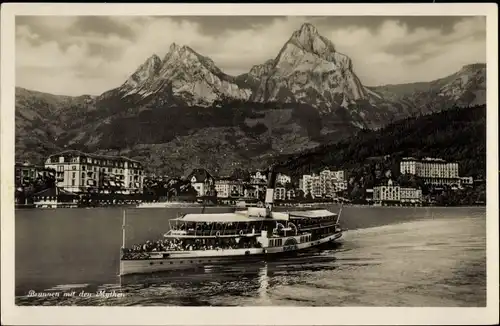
[(389, 257)]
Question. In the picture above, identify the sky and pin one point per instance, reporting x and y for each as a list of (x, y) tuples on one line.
[(76, 55)]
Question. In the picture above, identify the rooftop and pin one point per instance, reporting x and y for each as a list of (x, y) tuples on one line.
[(425, 159), (200, 175), (235, 217), (97, 156), (312, 214)]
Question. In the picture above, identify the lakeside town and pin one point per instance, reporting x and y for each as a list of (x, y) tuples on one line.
[(76, 179)]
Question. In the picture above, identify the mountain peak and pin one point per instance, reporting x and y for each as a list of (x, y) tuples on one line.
[(153, 59), (307, 28), (173, 47), (309, 70), (147, 70), (308, 38), (183, 75)]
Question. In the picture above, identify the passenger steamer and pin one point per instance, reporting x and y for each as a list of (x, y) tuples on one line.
[(258, 233)]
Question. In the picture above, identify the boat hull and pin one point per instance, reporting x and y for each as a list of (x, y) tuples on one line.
[(185, 260)]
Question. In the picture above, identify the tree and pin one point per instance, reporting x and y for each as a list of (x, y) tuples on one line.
[(240, 174), (299, 194)]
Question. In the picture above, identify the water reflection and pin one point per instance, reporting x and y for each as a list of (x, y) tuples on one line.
[(235, 284), (263, 284)]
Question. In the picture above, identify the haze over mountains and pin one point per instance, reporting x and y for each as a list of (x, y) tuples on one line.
[(182, 111)]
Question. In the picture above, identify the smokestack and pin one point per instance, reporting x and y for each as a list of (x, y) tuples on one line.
[(271, 181)]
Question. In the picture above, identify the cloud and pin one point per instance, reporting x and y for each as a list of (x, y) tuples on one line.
[(394, 53), (90, 55)]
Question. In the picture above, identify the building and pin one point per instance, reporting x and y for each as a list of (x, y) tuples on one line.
[(433, 171), (339, 176), (325, 181), (54, 198), (410, 195), (331, 182), (394, 194), (466, 182), (258, 175), (227, 187), (26, 173), (82, 172), (202, 181), (311, 184), (256, 187), (389, 193), (250, 192), (283, 179), (279, 193), (339, 186), (369, 195)]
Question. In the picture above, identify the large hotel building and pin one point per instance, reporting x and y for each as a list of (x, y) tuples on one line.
[(433, 171), (326, 183), (82, 172)]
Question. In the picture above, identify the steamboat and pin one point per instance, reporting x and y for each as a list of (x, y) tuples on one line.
[(255, 234)]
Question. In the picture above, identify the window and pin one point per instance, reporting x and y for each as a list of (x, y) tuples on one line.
[(83, 167), (72, 182), (73, 167), (83, 175), (74, 175)]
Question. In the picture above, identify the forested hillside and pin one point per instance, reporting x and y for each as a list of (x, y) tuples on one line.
[(457, 134)]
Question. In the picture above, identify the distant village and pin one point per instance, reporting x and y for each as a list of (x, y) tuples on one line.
[(73, 178)]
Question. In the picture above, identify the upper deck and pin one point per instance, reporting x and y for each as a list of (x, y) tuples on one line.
[(253, 214), (312, 214)]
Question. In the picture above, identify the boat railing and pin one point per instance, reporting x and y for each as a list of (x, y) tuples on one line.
[(317, 226), (214, 233)]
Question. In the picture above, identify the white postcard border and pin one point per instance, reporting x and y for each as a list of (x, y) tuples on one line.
[(14, 315)]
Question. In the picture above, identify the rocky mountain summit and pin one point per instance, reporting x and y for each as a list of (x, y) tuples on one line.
[(308, 69), (183, 75)]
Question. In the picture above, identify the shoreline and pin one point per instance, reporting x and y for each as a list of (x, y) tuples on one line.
[(309, 206)]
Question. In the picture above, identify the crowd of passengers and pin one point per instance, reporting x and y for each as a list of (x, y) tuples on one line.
[(188, 244), (306, 222), (208, 228)]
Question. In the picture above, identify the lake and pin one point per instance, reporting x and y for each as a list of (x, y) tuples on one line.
[(390, 256)]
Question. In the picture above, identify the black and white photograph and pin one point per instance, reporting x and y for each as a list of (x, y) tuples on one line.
[(197, 158)]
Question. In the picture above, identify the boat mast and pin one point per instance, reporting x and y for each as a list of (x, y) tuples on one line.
[(340, 212), (123, 229)]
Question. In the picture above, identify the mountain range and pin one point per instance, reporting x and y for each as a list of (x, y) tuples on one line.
[(182, 111)]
